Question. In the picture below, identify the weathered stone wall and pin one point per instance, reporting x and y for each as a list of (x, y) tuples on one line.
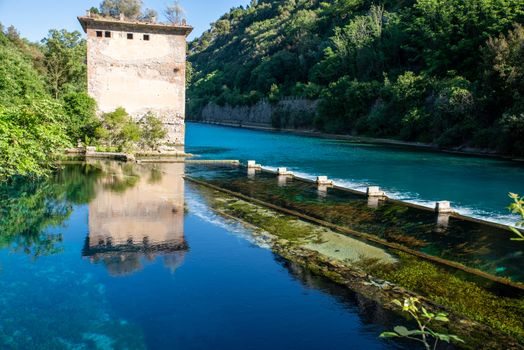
[(137, 74), (288, 113)]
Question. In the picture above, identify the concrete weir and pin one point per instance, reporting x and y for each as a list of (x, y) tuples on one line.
[(387, 251), (373, 217)]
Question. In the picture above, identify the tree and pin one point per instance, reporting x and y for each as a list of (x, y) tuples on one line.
[(20, 82), (131, 9), (149, 15), (174, 13), (12, 33), (152, 132), (30, 138), (64, 58), (80, 110), (118, 130)]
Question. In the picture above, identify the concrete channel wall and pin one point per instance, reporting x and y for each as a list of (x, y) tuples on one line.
[(429, 225)]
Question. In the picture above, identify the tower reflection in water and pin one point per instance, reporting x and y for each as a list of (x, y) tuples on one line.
[(136, 216)]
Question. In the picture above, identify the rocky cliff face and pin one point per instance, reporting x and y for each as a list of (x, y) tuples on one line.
[(286, 114)]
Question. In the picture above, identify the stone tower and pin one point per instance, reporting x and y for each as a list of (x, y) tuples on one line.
[(139, 66)]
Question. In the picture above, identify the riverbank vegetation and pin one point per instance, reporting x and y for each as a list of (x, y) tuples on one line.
[(117, 131), (443, 72), (517, 207), (44, 106)]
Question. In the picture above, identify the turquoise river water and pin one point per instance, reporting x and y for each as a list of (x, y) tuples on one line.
[(476, 186), (116, 256)]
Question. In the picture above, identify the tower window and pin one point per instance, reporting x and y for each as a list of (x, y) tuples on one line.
[(130, 36), (146, 37), (98, 33), (108, 34)]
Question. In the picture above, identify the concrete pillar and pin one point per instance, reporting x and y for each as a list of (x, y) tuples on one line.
[(251, 164), (322, 190), (374, 191), (251, 172), (442, 222), (282, 180), (284, 172), (324, 181), (443, 207), (373, 202)]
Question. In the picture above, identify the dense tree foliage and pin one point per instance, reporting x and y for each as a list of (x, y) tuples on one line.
[(448, 72), (31, 121), (131, 9), (119, 132), (64, 58)]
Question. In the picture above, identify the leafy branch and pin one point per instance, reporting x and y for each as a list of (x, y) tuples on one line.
[(517, 207), (423, 334)]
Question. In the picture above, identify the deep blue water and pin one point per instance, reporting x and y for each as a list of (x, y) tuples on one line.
[(133, 259), (475, 186)]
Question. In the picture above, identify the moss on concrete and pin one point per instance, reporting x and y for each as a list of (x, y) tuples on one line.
[(454, 292), (480, 316)]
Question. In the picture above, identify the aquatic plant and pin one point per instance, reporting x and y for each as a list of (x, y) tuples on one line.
[(424, 319), (517, 207)]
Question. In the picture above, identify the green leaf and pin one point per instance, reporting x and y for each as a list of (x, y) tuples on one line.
[(443, 337), (397, 302), (441, 318), (388, 335), (403, 331), (456, 338)]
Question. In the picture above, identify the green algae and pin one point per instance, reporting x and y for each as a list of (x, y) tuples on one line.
[(457, 294), (283, 226), (482, 316), (309, 236), (468, 243), (344, 248)]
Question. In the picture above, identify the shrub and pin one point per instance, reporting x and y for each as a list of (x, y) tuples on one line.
[(152, 131), (80, 110), (118, 130)]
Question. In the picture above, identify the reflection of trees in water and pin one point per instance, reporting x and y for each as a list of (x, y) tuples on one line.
[(29, 206), (174, 260), (123, 263), (126, 263), (155, 175), (120, 177)]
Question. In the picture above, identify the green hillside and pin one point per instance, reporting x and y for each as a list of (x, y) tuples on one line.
[(448, 72)]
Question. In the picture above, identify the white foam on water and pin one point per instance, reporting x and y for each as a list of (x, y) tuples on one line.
[(414, 198)]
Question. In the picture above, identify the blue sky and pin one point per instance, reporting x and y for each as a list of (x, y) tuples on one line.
[(34, 18)]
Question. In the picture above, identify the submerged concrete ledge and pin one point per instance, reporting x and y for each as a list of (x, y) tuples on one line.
[(335, 256), (366, 236)]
